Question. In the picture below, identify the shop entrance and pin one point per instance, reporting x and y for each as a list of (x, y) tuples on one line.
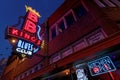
[(79, 70)]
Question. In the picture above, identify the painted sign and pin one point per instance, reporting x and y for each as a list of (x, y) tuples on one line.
[(101, 65), (29, 40)]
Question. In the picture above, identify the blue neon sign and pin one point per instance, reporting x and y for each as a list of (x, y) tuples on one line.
[(24, 47), (101, 65)]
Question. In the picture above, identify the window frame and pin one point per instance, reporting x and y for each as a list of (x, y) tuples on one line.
[(67, 14), (58, 23), (53, 27)]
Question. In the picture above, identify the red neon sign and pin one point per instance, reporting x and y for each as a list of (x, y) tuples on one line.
[(24, 35), (30, 26), (29, 40), (30, 23), (33, 17), (96, 69)]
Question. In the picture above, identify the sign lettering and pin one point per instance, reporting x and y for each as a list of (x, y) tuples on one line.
[(30, 27), (23, 35), (33, 17)]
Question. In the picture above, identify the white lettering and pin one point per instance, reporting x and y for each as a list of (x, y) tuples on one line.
[(24, 51), (25, 45)]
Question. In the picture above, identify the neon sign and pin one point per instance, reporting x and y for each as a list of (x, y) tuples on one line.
[(30, 23), (101, 65), (24, 35), (26, 48), (29, 40)]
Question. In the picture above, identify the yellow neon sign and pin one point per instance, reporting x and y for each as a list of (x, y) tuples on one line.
[(32, 10)]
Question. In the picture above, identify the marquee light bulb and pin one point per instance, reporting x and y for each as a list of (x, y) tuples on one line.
[(67, 72), (13, 41)]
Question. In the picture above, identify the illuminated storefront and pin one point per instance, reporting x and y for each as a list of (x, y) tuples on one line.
[(102, 67)]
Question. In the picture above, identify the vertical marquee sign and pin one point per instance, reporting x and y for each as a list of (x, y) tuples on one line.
[(28, 37)]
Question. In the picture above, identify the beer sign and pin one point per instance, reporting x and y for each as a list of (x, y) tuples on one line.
[(101, 66)]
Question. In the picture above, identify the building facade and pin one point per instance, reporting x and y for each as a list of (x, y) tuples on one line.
[(3, 62), (81, 42)]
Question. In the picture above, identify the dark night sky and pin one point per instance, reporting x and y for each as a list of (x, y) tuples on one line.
[(12, 9)]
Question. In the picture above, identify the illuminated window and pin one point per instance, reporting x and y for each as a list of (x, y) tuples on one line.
[(69, 19), (53, 33), (61, 26), (80, 11)]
